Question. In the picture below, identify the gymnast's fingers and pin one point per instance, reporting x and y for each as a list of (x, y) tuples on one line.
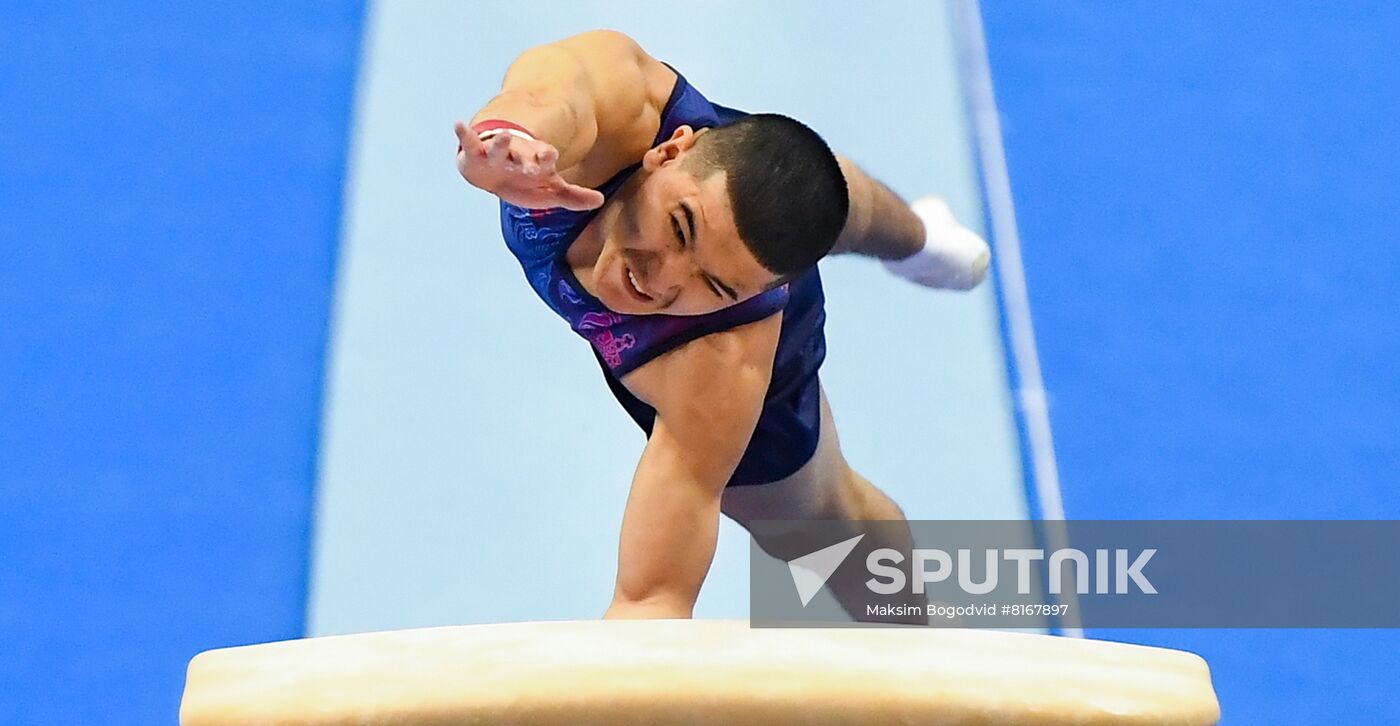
[(530, 163), (467, 140), (549, 153), (576, 198), (498, 151)]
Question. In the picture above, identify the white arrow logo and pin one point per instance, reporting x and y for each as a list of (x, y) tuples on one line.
[(811, 571)]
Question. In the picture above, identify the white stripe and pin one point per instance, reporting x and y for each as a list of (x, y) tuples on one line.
[(1006, 244), (492, 133)]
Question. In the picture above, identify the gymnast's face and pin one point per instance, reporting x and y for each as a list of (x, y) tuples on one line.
[(670, 244)]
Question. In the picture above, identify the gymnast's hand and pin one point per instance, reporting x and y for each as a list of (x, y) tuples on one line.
[(520, 171)]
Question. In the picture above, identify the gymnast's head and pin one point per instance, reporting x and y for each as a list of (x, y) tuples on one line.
[(719, 215)]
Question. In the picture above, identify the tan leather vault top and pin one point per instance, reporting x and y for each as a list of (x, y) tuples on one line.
[(695, 672)]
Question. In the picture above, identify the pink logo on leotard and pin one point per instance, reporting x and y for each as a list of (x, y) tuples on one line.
[(594, 321), (611, 347), (597, 327)]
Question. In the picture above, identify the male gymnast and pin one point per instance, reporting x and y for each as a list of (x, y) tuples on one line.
[(680, 238)]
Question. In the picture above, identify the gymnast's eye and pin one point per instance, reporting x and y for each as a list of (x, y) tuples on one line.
[(676, 225)]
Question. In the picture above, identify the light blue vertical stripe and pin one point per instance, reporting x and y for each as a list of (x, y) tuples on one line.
[(473, 466), (1044, 497)]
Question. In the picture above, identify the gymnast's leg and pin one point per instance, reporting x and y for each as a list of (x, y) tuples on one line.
[(920, 241), (827, 488)]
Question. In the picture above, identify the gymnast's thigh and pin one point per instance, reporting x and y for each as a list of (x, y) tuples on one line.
[(811, 492)]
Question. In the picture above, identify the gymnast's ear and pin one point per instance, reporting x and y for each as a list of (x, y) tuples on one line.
[(681, 141)]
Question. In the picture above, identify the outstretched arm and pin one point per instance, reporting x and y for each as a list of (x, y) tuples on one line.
[(708, 396), (577, 92), (587, 101)]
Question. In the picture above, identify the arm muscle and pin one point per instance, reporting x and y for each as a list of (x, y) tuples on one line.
[(584, 92), (708, 396)]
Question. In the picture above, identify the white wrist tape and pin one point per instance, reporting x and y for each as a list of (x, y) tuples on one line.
[(492, 133)]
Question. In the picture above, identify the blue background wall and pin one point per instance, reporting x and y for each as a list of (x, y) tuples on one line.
[(169, 203), (1207, 201)]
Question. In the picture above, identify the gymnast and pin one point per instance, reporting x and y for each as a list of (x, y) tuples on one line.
[(681, 239)]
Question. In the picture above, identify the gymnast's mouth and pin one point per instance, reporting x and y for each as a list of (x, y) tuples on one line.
[(633, 286)]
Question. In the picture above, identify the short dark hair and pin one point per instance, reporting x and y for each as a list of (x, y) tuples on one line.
[(786, 188)]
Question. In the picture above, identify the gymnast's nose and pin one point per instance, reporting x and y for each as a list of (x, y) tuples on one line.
[(673, 270)]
